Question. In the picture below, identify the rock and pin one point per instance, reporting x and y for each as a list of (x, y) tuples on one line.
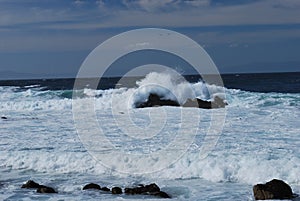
[(151, 189), (40, 188), (45, 189), (3, 117), (130, 191), (116, 190), (155, 100), (275, 189), (217, 103), (30, 184), (105, 189), (91, 186)]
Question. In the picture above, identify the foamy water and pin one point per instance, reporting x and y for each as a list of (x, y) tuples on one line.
[(259, 141)]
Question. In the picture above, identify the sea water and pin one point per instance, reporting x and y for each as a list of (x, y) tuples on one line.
[(259, 140)]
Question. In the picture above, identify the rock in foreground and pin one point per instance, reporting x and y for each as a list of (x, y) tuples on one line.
[(91, 186), (40, 188), (30, 184), (275, 189), (116, 190), (45, 189), (151, 189)]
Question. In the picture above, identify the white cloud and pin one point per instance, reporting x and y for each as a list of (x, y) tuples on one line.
[(169, 13), (148, 5), (163, 5), (198, 3), (290, 4), (100, 3), (79, 2), (140, 13)]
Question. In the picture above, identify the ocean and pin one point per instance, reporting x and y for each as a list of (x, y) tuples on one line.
[(47, 137)]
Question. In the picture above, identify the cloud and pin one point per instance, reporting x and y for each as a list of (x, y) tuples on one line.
[(79, 2), (164, 5), (198, 3), (147, 5), (100, 3), (100, 16), (154, 13), (287, 4)]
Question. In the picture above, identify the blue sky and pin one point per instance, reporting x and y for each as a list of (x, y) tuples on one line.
[(51, 38)]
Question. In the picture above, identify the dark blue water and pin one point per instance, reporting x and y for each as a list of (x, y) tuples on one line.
[(255, 82)]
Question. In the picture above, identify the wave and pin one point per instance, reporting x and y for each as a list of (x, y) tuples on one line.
[(165, 85), (219, 167), (223, 165)]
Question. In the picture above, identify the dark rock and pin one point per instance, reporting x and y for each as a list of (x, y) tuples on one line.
[(31, 184), (217, 103), (275, 189), (45, 189), (116, 190), (3, 117), (91, 186), (161, 194), (155, 100), (105, 189), (151, 188), (129, 191)]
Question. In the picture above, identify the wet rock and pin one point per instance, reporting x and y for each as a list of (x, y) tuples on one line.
[(40, 188), (30, 184), (91, 186), (3, 117), (45, 189), (151, 189), (129, 191), (275, 189), (116, 190), (155, 100), (217, 103), (105, 189)]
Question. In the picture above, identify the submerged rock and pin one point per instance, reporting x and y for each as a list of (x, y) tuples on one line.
[(116, 190), (45, 189), (275, 189), (92, 186)]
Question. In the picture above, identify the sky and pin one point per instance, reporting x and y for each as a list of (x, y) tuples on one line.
[(51, 38)]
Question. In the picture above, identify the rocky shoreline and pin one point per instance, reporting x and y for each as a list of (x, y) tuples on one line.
[(273, 190), (150, 189)]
